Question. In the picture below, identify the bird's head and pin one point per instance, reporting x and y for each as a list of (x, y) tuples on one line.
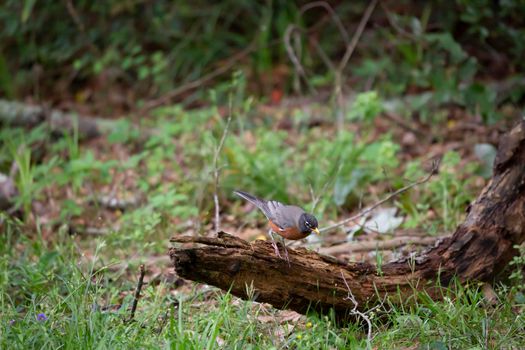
[(308, 224)]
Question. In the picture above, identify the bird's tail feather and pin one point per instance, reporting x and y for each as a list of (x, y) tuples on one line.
[(252, 199), (267, 207)]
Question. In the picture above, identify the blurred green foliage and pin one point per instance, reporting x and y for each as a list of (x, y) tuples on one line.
[(440, 46), (366, 107), (443, 51), (154, 45), (329, 173)]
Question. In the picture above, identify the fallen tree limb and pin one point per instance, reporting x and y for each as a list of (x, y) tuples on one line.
[(478, 250)]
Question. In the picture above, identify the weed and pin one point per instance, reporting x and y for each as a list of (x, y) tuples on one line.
[(24, 179), (460, 320), (366, 107), (448, 194), (517, 277)]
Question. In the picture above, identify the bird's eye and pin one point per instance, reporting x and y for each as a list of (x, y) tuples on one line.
[(307, 224)]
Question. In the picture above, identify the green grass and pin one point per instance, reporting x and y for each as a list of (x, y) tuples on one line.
[(463, 320), (74, 291), (71, 296)]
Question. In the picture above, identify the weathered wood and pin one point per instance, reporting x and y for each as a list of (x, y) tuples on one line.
[(479, 249)]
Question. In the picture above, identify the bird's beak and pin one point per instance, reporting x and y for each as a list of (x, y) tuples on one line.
[(316, 231)]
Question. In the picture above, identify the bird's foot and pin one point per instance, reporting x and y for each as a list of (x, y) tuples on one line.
[(276, 249), (286, 256)]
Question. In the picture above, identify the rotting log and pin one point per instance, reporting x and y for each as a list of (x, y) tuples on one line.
[(478, 250), (18, 114)]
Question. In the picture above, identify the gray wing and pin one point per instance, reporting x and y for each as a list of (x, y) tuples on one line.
[(269, 208), (287, 216)]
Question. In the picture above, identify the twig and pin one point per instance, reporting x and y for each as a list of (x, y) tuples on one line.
[(293, 56), (114, 203), (74, 14), (216, 168), (350, 45), (137, 292), (355, 311), (316, 199), (223, 68), (357, 35), (80, 26), (320, 51), (394, 25), (292, 28), (322, 54), (337, 21), (333, 14), (230, 63), (350, 48), (433, 171), (353, 247), (162, 261), (403, 124), (94, 231)]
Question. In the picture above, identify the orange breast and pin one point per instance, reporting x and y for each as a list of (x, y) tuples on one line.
[(292, 233)]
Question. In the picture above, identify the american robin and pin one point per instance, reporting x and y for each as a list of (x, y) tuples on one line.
[(288, 221)]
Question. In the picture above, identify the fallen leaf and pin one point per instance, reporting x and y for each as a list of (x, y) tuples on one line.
[(383, 220)]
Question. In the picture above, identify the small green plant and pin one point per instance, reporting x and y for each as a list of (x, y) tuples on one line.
[(162, 203), (25, 181), (517, 275), (86, 166), (448, 194), (72, 142), (260, 166), (366, 106)]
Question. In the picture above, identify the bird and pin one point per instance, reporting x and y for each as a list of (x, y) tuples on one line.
[(288, 221)]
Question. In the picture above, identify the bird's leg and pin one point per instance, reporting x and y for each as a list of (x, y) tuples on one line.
[(285, 251), (276, 247), (274, 244)]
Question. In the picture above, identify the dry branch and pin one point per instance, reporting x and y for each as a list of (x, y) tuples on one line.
[(136, 297), (478, 250), (216, 169), (433, 171), (353, 247)]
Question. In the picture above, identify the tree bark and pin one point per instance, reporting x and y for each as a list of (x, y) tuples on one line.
[(478, 250)]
